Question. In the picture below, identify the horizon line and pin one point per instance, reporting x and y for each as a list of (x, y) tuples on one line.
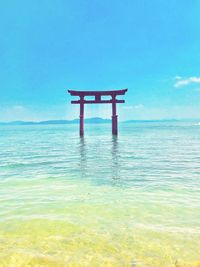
[(62, 121)]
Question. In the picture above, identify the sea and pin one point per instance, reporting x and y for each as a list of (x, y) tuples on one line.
[(101, 200)]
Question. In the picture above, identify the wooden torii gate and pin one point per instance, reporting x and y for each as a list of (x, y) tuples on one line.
[(97, 100)]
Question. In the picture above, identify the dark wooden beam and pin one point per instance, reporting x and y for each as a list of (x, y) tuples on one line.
[(96, 102)]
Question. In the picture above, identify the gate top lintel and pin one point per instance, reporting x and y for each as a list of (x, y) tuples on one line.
[(99, 93)]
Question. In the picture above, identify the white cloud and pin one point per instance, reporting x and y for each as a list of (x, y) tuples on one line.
[(18, 108), (183, 82), (139, 106), (127, 107)]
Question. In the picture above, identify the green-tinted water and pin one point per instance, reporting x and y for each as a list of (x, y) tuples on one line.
[(100, 201)]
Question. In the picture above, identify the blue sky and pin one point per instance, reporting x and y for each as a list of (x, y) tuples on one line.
[(151, 47)]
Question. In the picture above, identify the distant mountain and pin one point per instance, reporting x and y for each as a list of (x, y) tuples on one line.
[(97, 120), (54, 122), (164, 120), (75, 121), (91, 120)]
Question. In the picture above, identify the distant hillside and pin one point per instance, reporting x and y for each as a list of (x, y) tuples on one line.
[(92, 120), (75, 121), (165, 120), (89, 120)]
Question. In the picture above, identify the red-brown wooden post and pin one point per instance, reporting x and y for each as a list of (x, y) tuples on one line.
[(98, 100), (81, 127), (114, 116)]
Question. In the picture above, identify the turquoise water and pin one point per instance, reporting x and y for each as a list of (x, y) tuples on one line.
[(100, 201)]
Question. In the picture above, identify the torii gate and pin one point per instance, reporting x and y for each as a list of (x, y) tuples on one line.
[(97, 100)]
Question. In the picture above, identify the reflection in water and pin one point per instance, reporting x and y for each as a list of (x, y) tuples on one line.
[(83, 158), (103, 162), (101, 201), (115, 158)]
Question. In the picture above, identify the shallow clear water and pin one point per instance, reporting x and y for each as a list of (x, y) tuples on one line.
[(100, 201)]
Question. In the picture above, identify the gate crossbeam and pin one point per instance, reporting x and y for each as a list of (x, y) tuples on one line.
[(97, 100)]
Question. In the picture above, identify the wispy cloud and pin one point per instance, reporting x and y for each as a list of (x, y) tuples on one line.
[(15, 112), (180, 82), (139, 106), (18, 108), (127, 107)]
